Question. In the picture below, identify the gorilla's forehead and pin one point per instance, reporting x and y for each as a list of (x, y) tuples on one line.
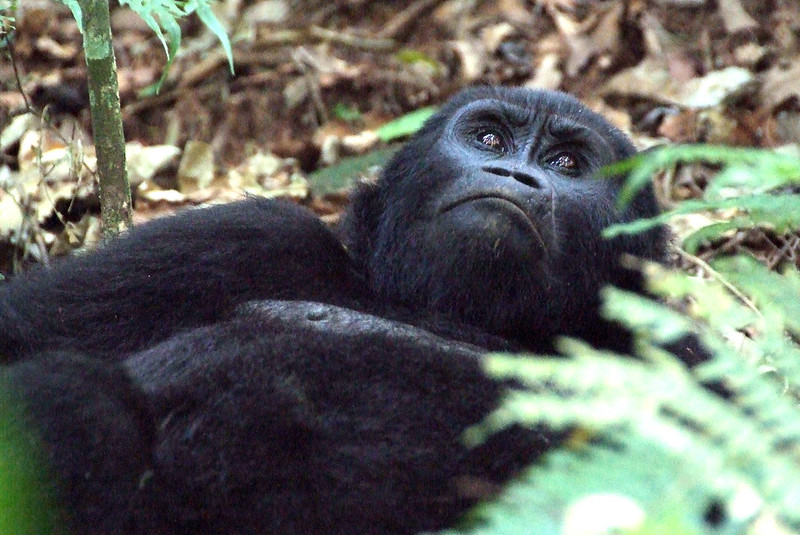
[(557, 115)]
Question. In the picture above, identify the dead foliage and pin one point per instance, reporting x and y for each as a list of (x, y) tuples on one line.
[(314, 80)]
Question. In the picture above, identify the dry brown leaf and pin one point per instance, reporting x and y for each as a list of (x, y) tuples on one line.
[(267, 175), (471, 57), (787, 126), (11, 100), (591, 30), (35, 142), (36, 17), (16, 128), (784, 28), (494, 35), (651, 79), (734, 16), (131, 80), (84, 234), (548, 74), (516, 11), (360, 143), (49, 46), (144, 162), (196, 170), (681, 67), (781, 84), (750, 54), (451, 14), (716, 87), (11, 217), (682, 3), (685, 225)]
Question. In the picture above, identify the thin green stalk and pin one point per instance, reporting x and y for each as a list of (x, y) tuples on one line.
[(115, 192)]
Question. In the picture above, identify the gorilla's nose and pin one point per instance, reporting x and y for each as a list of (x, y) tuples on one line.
[(520, 174)]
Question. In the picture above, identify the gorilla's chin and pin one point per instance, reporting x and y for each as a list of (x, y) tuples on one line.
[(497, 220)]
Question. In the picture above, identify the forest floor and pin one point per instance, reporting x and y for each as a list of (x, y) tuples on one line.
[(314, 79)]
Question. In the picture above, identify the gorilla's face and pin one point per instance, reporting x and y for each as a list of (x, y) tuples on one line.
[(492, 214), (512, 175)]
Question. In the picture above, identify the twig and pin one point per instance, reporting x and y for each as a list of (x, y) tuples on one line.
[(13, 58), (317, 33), (405, 18), (354, 41), (722, 280), (167, 97), (305, 62)]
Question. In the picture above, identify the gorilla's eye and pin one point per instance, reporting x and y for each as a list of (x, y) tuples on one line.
[(491, 139), (564, 161)]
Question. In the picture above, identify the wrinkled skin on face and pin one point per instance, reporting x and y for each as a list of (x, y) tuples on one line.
[(492, 215)]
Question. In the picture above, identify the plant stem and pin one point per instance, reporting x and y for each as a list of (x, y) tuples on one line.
[(109, 140)]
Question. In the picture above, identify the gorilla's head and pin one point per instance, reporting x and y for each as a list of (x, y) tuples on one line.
[(491, 214)]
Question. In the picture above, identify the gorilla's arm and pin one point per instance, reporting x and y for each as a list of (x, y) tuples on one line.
[(296, 418), (178, 272)]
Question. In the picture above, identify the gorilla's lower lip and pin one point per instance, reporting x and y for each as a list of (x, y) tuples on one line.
[(510, 202)]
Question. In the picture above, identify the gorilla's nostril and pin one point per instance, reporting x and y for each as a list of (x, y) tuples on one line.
[(497, 171), (526, 179)]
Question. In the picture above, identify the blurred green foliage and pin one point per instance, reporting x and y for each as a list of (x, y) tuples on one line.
[(27, 497)]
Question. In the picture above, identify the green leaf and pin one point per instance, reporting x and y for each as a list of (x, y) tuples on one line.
[(405, 125), (75, 8), (28, 503), (640, 170), (344, 174), (780, 213), (174, 32), (636, 488), (768, 288), (346, 113), (212, 23), (147, 17), (644, 315), (162, 16), (749, 170), (411, 56)]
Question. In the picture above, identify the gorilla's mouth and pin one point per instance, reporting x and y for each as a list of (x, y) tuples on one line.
[(506, 203)]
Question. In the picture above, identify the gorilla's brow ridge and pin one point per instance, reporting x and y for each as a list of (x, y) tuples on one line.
[(560, 123), (561, 126), (518, 115)]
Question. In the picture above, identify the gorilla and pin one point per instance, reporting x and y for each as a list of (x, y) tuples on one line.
[(244, 368)]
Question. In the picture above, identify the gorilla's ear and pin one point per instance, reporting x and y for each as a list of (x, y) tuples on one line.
[(358, 229)]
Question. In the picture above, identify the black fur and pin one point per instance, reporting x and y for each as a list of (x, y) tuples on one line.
[(243, 369), (336, 438), (172, 274)]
